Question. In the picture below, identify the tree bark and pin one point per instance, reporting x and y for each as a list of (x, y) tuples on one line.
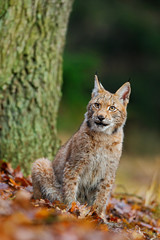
[(32, 36)]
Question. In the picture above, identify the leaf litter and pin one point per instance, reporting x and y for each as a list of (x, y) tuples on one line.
[(23, 218)]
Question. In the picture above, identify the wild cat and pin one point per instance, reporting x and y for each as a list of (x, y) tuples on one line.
[(84, 168)]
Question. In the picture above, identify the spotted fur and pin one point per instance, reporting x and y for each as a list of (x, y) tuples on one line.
[(84, 168)]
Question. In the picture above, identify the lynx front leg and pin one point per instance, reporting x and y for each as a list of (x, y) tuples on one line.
[(44, 181), (103, 195), (71, 180)]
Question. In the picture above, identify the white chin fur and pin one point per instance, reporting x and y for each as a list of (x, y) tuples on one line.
[(97, 128)]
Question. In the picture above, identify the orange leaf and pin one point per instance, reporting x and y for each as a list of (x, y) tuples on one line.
[(42, 213)]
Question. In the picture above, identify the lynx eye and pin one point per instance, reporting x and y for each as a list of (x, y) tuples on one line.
[(112, 108), (97, 105)]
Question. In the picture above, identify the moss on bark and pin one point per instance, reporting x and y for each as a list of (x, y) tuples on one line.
[(32, 36)]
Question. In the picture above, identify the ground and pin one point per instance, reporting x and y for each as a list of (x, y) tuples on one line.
[(23, 218)]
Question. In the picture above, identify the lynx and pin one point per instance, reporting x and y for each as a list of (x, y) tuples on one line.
[(84, 168)]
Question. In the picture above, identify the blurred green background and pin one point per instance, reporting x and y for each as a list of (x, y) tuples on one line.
[(119, 40)]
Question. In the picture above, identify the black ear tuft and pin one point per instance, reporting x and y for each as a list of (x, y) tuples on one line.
[(129, 80)]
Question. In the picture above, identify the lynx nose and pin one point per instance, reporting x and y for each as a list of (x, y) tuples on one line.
[(101, 117)]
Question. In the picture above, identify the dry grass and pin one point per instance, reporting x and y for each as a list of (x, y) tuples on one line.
[(139, 175)]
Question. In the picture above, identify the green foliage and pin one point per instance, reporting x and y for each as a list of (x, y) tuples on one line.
[(79, 70)]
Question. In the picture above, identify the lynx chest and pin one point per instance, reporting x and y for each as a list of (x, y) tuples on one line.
[(101, 162)]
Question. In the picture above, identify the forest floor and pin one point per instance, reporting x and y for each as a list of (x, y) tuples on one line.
[(22, 218)]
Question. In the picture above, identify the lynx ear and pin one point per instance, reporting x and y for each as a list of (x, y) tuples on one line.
[(97, 87), (123, 93)]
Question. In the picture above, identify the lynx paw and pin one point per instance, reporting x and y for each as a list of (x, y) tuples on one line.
[(100, 212)]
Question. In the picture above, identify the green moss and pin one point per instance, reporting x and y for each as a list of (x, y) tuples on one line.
[(32, 36)]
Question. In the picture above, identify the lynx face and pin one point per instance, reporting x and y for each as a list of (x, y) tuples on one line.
[(107, 111)]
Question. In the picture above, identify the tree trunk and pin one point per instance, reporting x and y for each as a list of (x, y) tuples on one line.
[(32, 36)]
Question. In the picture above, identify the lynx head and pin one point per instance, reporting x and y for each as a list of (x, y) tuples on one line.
[(106, 111)]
